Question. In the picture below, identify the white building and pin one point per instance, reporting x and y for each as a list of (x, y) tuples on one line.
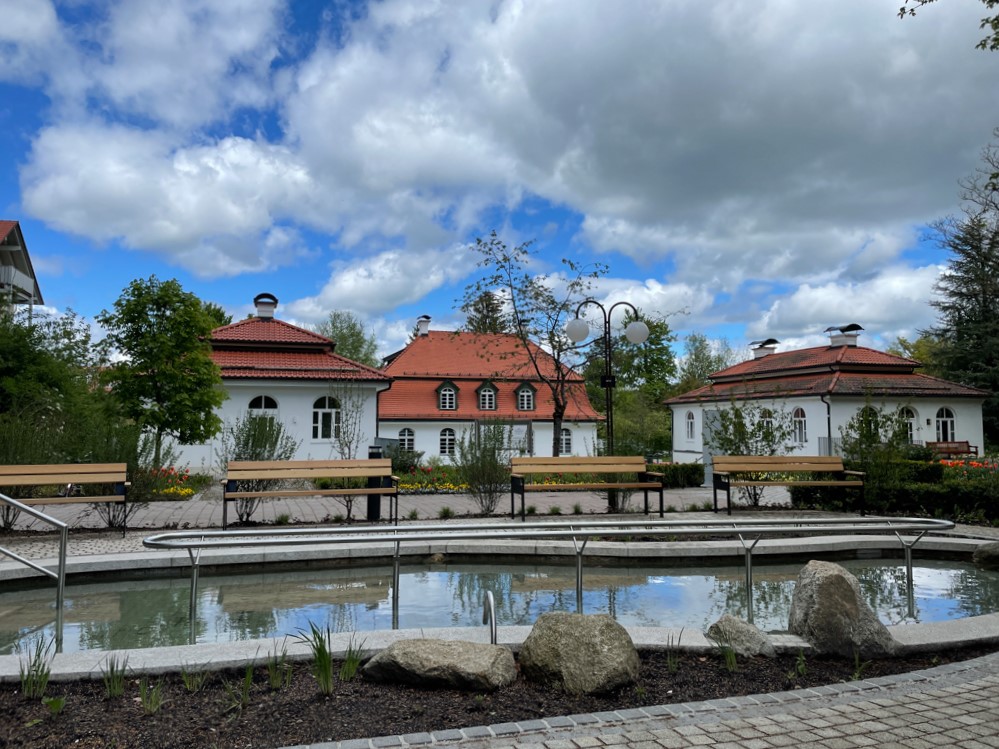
[(326, 402), (823, 388)]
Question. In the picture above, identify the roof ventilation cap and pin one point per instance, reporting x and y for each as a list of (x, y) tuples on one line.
[(423, 325), (843, 335), (764, 348), (265, 304)]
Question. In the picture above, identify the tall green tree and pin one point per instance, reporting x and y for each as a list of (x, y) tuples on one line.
[(485, 314), (922, 349), (165, 380), (968, 307), (217, 315), (539, 309), (344, 328), (701, 357), (644, 373)]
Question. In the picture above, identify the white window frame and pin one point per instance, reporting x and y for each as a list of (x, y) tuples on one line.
[(407, 439), (690, 422), (525, 399), (799, 425), (266, 406), (448, 440), (487, 399), (945, 424), (325, 419), (910, 418), (565, 441), (447, 398)]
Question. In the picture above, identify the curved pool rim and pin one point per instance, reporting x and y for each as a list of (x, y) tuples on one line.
[(980, 630)]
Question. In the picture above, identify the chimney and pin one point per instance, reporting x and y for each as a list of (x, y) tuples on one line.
[(265, 304), (844, 335), (764, 348), (423, 325)]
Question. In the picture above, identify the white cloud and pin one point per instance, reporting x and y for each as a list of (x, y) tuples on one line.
[(893, 303), (375, 285)]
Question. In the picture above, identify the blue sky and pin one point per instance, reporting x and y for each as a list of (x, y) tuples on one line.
[(749, 169)]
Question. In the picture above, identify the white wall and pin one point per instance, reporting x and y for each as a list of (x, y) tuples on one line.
[(967, 421), (295, 401), (427, 435)]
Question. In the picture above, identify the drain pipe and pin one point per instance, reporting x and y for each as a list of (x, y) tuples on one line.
[(828, 422)]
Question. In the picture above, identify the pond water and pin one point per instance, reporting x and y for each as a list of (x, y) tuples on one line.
[(155, 612)]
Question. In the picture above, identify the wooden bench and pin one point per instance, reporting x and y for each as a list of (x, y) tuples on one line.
[(524, 470), (61, 483), (241, 471), (953, 449), (781, 470)]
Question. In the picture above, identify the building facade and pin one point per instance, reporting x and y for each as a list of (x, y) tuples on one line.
[(822, 389), (447, 384), (326, 402)]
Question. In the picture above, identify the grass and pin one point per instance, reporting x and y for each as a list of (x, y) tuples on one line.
[(351, 660), (414, 514), (673, 652), (150, 696), (319, 642), (728, 654), (194, 681), (800, 666), (554, 510), (577, 509), (239, 693), (858, 666), (278, 668), (113, 672), (35, 668), (283, 519), (445, 513)]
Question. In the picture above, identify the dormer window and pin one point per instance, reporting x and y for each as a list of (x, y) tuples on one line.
[(525, 398), (447, 397), (487, 398)]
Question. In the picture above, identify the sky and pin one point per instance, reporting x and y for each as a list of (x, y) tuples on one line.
[(746, 168)]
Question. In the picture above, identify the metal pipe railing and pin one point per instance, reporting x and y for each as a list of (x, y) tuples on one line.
[(60, 574), (575, 530)]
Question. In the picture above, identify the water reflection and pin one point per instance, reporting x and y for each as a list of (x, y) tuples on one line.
[(154, 613)]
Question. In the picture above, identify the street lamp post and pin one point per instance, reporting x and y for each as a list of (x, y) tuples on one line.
[(636, 332)]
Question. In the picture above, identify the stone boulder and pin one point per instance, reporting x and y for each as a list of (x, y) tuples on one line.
[(986, 556), (828, 610), (744, 638), (470, 666), (580, 654)]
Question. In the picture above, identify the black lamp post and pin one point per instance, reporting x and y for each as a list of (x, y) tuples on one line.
[(636, 332)]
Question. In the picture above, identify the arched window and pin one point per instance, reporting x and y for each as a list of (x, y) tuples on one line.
[(799, 425), (447, 442), (407, 439), (448, 398), (525, 399), (908, 417), (766, 418), (263, 405), (565, 442), (487, 399), (945, 425), (869, 427), (691, 425), (325, 418)]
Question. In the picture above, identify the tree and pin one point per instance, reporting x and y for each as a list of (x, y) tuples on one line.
[(167, 381), (217, 315), (701, 358), (485, 314), (539, 308), (923, 350), (749, 428), (346, 331), (990, 23), (968, 307), (644, 375)]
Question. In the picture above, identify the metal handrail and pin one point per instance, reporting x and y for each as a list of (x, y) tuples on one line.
[(571, 529), (60, 574)]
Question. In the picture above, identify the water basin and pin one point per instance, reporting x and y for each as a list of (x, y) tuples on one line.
[(155, 612)]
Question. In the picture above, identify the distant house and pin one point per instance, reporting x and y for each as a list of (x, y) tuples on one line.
[(18, 284), (269, 367), (446, 383), (823, 388)]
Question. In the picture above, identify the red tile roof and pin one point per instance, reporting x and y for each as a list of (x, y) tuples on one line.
[(6, 227), (266, 348), (468, 360), (826, 370)]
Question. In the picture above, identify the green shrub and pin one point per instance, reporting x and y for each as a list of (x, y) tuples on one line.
[(679, 475), (403, 461), (480, 464)]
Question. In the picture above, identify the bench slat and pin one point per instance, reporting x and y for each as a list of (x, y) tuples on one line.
[(29, 479), (299, 473), (368, 463), (313, 492), (592, 487), (107, 499)]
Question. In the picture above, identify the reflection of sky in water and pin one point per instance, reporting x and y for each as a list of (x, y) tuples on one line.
[(155, 613)]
